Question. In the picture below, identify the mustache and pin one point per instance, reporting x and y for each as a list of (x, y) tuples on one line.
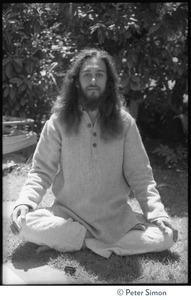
[(93, 87)]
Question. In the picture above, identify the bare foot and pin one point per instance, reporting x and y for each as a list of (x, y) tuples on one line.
[(42, 249)]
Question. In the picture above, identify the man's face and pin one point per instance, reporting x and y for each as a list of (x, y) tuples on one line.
[(92, 81)]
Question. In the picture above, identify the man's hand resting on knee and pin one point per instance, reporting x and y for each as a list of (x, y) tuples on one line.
[(19, 211), (163, 223)]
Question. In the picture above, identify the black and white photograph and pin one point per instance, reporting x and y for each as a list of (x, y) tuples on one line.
[(95, 146)]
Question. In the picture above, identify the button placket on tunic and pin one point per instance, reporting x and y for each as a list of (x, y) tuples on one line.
[(94, 135), (94, 142)]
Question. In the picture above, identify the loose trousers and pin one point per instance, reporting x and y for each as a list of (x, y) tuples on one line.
[(45, 227)]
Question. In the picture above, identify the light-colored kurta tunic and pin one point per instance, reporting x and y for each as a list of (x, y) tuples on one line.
[(92, 178)]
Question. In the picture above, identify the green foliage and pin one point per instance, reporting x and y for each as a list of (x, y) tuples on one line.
[(172, 156), (147, 40)]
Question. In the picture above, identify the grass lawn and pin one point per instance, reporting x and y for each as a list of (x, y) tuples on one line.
[(168, 267)]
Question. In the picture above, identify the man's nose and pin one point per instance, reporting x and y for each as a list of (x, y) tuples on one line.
[(93, 80)]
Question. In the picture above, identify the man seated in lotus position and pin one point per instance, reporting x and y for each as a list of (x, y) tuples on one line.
[(91, 151)]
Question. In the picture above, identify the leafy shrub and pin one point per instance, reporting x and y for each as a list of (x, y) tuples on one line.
[(29, 84), (147, 40), (172, 156)]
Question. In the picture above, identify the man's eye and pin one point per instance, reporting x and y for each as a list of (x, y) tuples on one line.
[(87, 75), (99, 75)]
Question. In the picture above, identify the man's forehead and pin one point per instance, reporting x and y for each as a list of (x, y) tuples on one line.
[(94, 62)]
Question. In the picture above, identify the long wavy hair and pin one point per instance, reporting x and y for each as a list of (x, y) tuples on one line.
[(66, 105)]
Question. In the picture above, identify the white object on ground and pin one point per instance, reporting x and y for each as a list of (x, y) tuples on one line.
[(18, 142)]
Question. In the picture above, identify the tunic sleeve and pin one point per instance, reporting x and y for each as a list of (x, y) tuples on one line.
[(45, 165), (139, 175)]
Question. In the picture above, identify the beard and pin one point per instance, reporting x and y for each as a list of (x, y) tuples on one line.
[(91, 102)]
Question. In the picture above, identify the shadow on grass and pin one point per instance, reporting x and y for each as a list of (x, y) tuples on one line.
[(115, 270), (165, 257), (90, 268), (121, 269), (24, 257)]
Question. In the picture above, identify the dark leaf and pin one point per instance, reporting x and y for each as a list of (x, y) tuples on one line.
[(134, 86), (18, 61), (16, 80), (125, 81), (12, 93), (37, 27), (5, 85), (17, 107), (6, 60), (11, 101), (154, 28), (135, 79), (9, 70), (129, 63), (13, 16), (22, 113), (6, 92), (8, 40), (29, 66), (22, 101), (18, 67), (22, 87), (126, 89), (29, 83)]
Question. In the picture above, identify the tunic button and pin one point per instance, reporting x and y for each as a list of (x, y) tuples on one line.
[(94, 145), (89, 125), (94, 134)]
